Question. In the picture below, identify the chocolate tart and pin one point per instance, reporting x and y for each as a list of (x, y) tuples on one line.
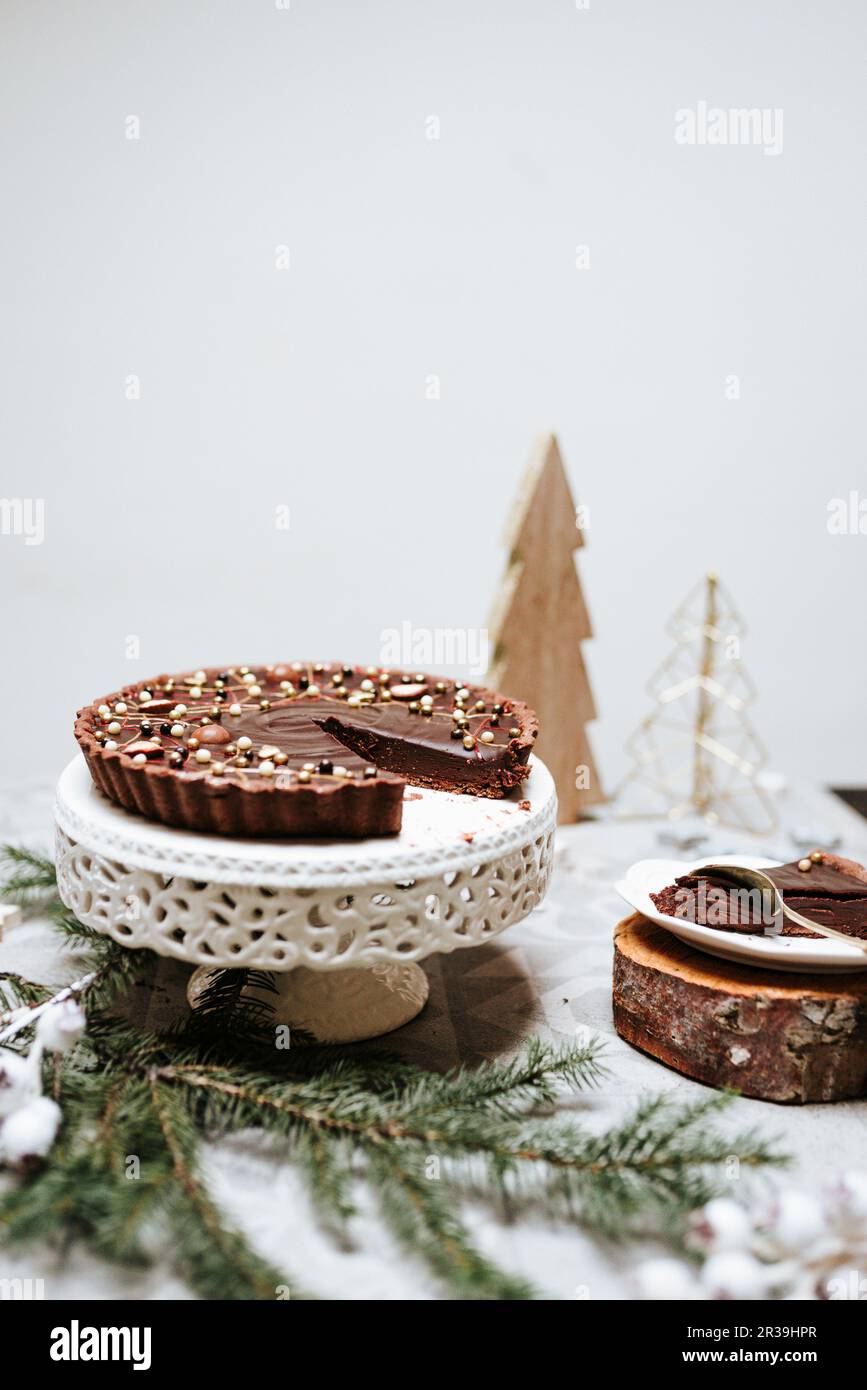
[(299, 748), (824, 887)]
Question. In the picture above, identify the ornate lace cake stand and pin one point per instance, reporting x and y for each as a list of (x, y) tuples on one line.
[(342, 924)]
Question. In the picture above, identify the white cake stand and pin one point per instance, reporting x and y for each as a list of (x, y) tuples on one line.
[(343, 921)]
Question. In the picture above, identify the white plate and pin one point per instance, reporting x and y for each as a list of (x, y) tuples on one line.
[(778, 952)]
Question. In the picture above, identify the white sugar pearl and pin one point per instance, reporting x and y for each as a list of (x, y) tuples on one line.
[(177, 730), (309, 767), (367, 685), (178, 711), (255, 690), (666, 1280), (340, 772), (313, 690), (202, 755), (120, 707), (104, 711), (200, 677), (196, 692), (110, 744), (462, 694), (267, 768), (235, 709), (114, 727), (354, 701), (487, 736), (245, 742), (248, 678), (139, 760), (144, 695), (30, 1131)]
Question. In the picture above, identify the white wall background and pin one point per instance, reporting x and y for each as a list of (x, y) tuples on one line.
[(306, 127)]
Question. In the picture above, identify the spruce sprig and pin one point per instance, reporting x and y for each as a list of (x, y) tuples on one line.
[(125, 1175)]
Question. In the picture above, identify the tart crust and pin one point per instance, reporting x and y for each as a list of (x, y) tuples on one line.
[(374, 747)]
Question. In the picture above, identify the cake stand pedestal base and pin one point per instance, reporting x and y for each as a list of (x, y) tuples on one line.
[(331, 931), (336, 1006)]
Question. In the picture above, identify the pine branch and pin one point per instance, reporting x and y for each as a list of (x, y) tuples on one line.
[(218, 1261), (422, 1141), (27, 878), (422, 1217)]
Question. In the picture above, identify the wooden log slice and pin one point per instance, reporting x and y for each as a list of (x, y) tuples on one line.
[(775, 1036)]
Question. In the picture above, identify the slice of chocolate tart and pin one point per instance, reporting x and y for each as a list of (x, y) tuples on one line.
[(830, 890), (300, 748)]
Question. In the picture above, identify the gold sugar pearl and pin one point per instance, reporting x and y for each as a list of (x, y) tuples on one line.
[(805, 865), (514, 732), (309, 767), (281, 759), (192, 743), (469, 741), (303, 775), (817, 856), (480, 705), (218, 769)]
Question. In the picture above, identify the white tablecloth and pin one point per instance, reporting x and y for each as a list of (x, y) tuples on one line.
[(548, 976)]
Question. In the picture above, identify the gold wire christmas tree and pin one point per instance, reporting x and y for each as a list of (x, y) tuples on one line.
[(697, 753)]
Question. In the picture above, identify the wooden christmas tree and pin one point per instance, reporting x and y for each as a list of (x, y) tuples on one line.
[(538, 624)]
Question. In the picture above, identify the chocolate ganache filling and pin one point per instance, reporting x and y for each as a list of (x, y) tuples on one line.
[(227, 749), (824, 888)]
